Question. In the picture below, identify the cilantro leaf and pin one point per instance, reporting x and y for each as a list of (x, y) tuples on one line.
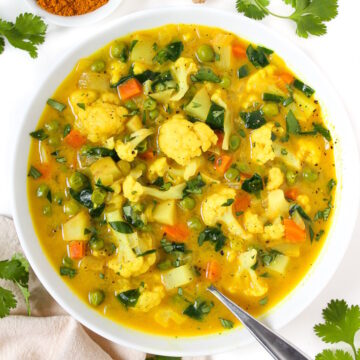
[(2, 44), (254, 9), (325, 10), (334, 355), (309, 24), (7, 302)]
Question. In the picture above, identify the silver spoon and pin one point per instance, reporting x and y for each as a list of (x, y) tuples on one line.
[(276, 346)]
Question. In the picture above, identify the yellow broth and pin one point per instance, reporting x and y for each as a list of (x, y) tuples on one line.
[(57, 158)]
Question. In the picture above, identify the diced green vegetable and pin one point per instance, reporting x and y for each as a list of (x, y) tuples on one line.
[(205, 74), (121, 227), (253, 185), (258, 57), (39, 134), (96, 297), (78, 181), (231, 174), (307, 90), (214, 235), (171, 52), (216, 116), (234, 142), (226, 324), (56, 105), (243, 71), (129, 298), (198, 310), (253, 119), (42, 190)]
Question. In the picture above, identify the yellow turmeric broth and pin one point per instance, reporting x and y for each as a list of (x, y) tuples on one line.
[(174, 158)]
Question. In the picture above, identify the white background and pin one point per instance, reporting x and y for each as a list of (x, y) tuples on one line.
[(337, 54)]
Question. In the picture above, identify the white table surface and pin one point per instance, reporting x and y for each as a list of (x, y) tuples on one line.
[(337, 53)]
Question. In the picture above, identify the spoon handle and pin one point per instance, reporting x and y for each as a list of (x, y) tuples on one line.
[(277, 347)]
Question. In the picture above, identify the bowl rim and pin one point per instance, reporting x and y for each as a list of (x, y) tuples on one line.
[(76, 20), (314, 281)]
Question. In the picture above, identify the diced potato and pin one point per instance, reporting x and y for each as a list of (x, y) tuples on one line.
[(113, 216), (116, 202), (143, 51), (200, 105), (179, 276), (74, 228), (165, 212), (134, 124), (292, 250), (288, 158), (163, 97), (279, 264), (225, 58), (116, 186), (305, 106), (277, 205), (106, 170), (91, 263)]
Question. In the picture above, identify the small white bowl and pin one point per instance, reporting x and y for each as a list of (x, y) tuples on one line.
[(76, 20)]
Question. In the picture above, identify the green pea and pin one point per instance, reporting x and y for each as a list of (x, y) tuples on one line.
[(98, 66), (58, 198), (205, 53), (225, 82), (310, 175), (78, 181), (150, 104), (96, 297), (153, 114), (188, 203), (130, 105), (46, 210), (52, 126), (67, 261), (194, 223), (291, 177), (98, 196), (96, 244), (42, 190), (54, 140), (270, 109), (231, 174), (71, 208), (124, 167), (234, 142), (120, 51)]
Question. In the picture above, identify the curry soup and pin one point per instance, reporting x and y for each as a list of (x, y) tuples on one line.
[(174, 158)]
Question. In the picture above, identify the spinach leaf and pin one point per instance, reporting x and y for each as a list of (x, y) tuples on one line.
[(121, 227), (226, 324), (132, 216), (215, 117), (83, 197), (214, 235), (322, 131), (171, 52), (198, 309), (253, 185), (56, 105), (67, 129), (34, 173), (148, 252), (300, 210), (39, 134), (170, 247), (129, 298), (258, 57), (306, 89), (159, 182), (323, 214), (194, 186), (99, 151), (331, 184), (243, 71), (67, 271), (161, 78), (228, 202), (205, 74), (96, 212), (146, 75), (100, 185), (292, 125), (267, 257), (253, 119)]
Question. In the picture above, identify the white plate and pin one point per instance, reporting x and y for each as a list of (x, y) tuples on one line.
[(347, 198), (78, 20)]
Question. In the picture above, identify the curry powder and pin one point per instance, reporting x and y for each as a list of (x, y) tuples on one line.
[(70, 7)]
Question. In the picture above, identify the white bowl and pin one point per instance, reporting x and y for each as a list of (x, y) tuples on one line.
[(78, 20), (347, 198)]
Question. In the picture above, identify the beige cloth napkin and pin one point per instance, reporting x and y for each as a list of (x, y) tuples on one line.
[(49, 333)]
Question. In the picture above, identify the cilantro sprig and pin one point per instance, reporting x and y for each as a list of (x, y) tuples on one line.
[(310, 16), (16, 270), (26, 33), (341, 324)]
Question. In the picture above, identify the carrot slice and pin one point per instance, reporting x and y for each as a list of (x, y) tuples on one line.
[(129, 89), (77, 249), (286, 78), (75, 139), (213, 270), (220, 136), (292, 193), (147, 155), (45, 170), (222, 163), (178, 232), (241, 203), (293, 232), (238, 51)]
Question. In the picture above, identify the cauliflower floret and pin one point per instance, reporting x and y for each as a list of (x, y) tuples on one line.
[(308, 152), (157, 169), (117, 69), (150, 298), (213, 212), (139, 68), (246, 279), (261, 144), (217, 99), (181, 70), (101, 118), (181, 140), (133, 191), (127, 151), (252, 223), (275, 178), (188, 171), (304, 202), (276, 204), (274, 231)]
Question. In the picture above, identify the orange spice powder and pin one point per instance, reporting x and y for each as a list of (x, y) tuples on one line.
[(70, 7)]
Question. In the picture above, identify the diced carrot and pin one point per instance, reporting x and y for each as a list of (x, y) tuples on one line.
[(287, 78), (292, 193), (147, 155), (129, 89), (241, 203), (293, 232), (238, 51), (77, 249), (179, 232), (213, 270), (222, 163), (220, 136), (75, 139), (45, 170)]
